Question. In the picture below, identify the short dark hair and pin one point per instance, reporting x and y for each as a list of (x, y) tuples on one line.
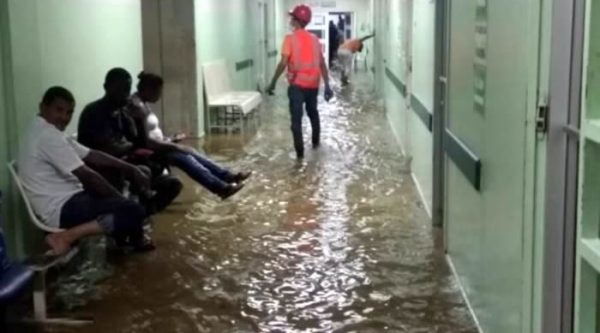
[(115, 75), (56, 92), (149, 81)]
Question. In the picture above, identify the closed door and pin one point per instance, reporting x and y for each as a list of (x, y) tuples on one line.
[(491, 148)]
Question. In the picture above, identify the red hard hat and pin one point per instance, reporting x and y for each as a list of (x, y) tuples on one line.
[(302, 13)]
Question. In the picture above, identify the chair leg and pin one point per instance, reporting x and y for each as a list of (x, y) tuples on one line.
[(40, 311), (39, 297), (3, 319), (242, 122)]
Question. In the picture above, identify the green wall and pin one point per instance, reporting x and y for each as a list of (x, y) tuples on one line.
[(422, 85), (71, 43), (493, 236), (228, 30), (5, 132), (405, 41), (395, 34)]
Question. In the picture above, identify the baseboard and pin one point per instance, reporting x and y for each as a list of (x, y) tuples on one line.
[(421, 194), (412, 174), (396, 135), (464, 294)]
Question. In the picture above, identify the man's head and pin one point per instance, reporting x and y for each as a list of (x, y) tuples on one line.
[(300, 16), (117, 86), (57, 107), (150, 87)]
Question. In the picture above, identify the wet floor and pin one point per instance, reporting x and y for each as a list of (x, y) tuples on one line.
[(337, 243)]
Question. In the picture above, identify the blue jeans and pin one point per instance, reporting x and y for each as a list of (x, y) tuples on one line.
[(299, 98), (204, 171)]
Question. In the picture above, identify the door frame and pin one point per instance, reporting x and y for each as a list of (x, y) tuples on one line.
[(568, 30), (262, 43), (442, 25)]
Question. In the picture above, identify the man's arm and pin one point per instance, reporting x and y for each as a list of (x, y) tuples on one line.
[(163, 146), (280, 68), (325, 74), (324, 71), (367, 37), (96, 184), (98, 159), (116, 147)]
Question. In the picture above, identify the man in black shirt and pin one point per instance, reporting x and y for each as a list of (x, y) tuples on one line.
[(334, 42), (104, 125)]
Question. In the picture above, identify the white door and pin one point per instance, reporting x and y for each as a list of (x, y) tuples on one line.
[(319, 26), (262, 43)]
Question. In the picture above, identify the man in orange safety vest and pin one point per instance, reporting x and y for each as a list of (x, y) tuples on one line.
[(301, 54)]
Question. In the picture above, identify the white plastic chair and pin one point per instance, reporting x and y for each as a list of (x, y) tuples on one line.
[(223, 102), (41, 264), (12, 166)]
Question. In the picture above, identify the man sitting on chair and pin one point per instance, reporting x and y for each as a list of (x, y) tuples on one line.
[(104, 125), (64, 190)]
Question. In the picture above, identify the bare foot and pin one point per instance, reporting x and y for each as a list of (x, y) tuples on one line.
[(58, 243)]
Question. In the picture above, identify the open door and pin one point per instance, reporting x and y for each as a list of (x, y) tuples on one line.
[(587, 259), (560, 260), (319, 26), (262, 29)]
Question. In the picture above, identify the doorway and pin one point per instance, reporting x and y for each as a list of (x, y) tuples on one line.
[(319, 27), (262, 29), (345, 30), (440, 87)]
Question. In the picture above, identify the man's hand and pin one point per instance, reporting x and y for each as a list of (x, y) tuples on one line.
[(271, 89), (179, 137), (328, 93)]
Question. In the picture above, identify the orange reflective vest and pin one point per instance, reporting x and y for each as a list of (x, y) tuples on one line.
[(304, 66)]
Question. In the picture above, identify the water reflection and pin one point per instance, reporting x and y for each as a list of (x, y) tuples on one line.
[(337, 243)]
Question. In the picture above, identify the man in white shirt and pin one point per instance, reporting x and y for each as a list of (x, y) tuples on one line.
[(66, 192)]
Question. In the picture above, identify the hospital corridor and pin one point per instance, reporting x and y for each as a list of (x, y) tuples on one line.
[(232, 166)]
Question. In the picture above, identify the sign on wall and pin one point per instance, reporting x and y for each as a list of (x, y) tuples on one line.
[(480, 61), (322, 3)]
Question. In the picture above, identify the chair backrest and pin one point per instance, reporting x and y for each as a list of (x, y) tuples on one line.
[(216, 79), (12, 166)]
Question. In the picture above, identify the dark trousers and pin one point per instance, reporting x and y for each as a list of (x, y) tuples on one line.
[(299, 97), (204, 171), (333, 48), (120, 218), (166, 189)]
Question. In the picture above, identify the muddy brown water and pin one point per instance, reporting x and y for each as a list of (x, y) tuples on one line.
[(337, 243)]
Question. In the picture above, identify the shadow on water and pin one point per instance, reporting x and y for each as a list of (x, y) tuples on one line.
[(337, 243)]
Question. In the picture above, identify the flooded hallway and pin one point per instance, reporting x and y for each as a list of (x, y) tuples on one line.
[(337, 243), (288, 166)]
